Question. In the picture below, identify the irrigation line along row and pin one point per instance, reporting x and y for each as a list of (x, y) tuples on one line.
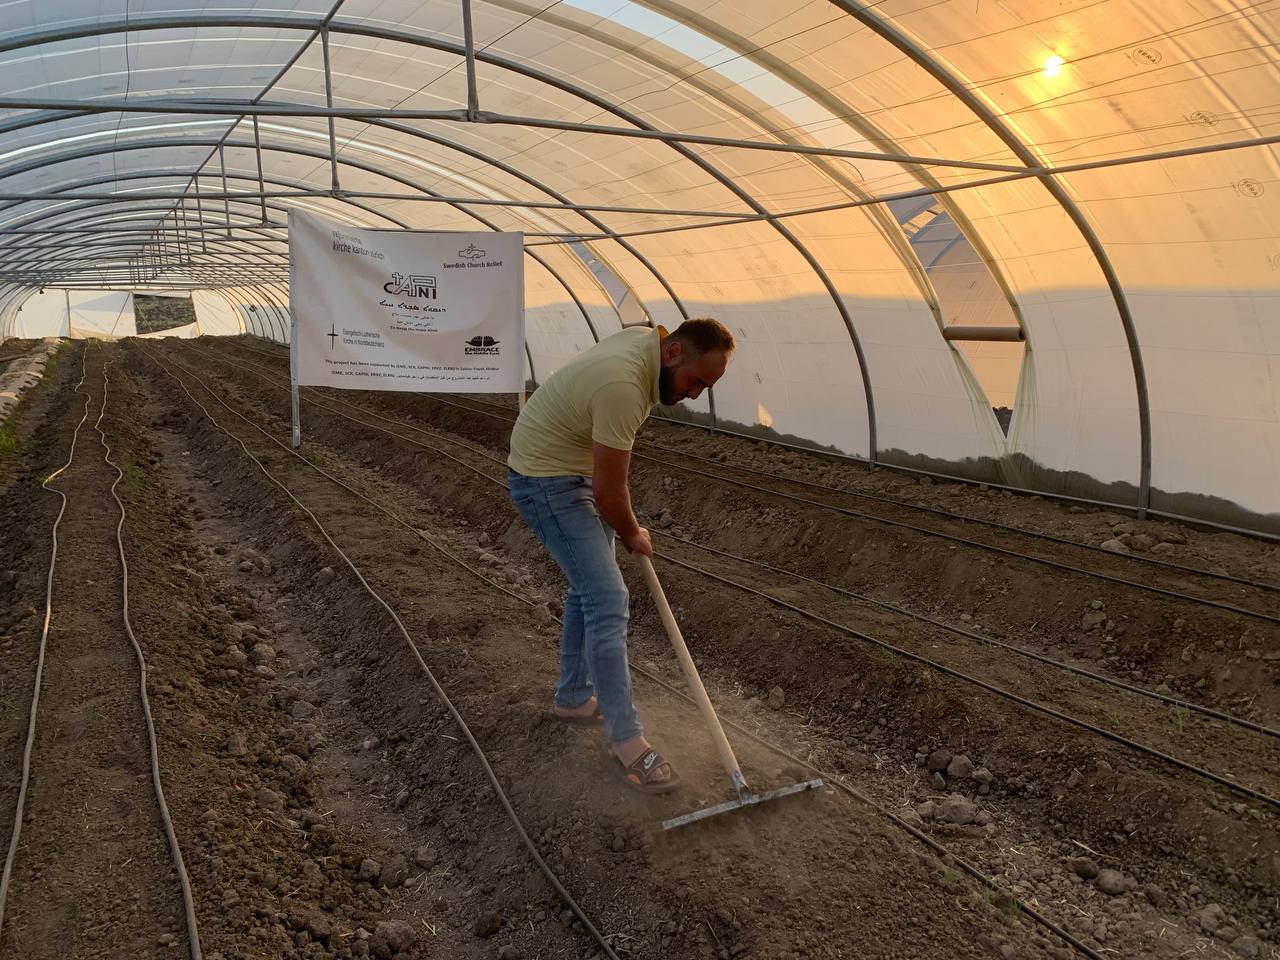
[(505, 416), (188, 901), (184, 880), (981, 521), (832, 778), (836, 491), (413, 647), (1175, 702), (25, 781)]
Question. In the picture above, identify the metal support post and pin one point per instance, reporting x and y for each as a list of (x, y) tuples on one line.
[(262, 187), (226, 203), (328, 99), (293, 382), (204, 247), (473, 98)]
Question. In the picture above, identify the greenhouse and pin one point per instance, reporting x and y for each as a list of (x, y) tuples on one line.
[(922, 356)]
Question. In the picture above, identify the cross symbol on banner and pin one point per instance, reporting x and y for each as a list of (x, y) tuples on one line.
[(332, 335)]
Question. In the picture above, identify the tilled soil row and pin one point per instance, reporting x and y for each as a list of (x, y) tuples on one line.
[(288, 751), (775, 884), (43, 429), (1198, 653), (1252, 758), (93, 875), (1074, 792)]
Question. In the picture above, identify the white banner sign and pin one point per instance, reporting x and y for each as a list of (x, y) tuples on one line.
[(406, 310)]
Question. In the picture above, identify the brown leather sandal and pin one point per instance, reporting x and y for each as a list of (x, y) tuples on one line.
[(639, 775), (593, 720)]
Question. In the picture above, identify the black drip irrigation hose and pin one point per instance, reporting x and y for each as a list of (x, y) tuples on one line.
[(413, 647), (980, 521), (1227, 718), (989, 687), (175, 849), (1003, 551), (837, 491), (833, 779)]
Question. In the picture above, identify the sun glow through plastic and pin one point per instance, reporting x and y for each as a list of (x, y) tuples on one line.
[(1053, 66)]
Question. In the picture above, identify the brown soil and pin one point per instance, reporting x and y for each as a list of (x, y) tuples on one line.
[(90, 811), (222, 562)]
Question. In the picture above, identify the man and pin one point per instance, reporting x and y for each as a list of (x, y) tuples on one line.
[(570, 455)]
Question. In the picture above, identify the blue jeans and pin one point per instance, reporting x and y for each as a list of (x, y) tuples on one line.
[(593, 647)]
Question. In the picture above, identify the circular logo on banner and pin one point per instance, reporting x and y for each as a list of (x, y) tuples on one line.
[(1147, 56), (1249, 188)]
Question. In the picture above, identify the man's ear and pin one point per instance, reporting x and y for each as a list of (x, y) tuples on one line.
[(672, 351)]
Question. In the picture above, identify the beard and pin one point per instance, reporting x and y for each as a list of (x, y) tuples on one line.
[(667, 395)]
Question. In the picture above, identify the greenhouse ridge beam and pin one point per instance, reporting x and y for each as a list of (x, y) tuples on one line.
[(720, 218), (272, 109), (377, 195)]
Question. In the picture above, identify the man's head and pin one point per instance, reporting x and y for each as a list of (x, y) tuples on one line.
[(694, 357)]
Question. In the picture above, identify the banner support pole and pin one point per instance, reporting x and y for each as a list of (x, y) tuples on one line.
[(297, 424), (524, 337), (293, 368)]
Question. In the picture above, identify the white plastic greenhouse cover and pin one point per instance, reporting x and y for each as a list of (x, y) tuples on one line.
[(1143, 278), (74, 313)]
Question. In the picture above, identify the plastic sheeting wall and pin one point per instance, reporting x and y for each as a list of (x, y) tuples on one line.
[(214, 314), (74, 313), (1190, 243)]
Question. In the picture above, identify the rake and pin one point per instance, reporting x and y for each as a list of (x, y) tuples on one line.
[(745, 796)]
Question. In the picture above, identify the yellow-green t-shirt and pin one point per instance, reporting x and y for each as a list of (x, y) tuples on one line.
[(602, 395)]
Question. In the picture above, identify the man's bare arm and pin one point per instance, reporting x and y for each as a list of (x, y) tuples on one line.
[(613, 497)]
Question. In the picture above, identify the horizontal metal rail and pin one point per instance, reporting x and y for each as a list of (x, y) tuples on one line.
[(131, 197), (262, 108), (984, 334)]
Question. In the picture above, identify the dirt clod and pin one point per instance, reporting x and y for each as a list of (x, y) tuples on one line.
[(1112, 882), (487, 924), (391, 937), (394, 872), (960, 767), (1083, 867)]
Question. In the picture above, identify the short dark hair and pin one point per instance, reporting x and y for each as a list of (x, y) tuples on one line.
[(704, 335)]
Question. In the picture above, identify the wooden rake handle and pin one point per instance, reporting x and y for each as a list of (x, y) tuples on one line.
[(696, 689)]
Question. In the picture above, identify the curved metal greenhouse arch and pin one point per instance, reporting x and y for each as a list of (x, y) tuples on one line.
[(335, 25)]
